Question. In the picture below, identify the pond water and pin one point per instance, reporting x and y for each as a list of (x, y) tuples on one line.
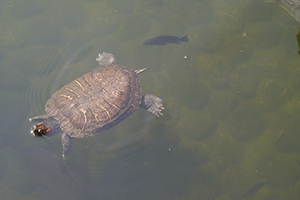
[(231, 124)]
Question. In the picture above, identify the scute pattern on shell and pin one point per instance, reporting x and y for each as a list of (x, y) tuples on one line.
[(95, 101)]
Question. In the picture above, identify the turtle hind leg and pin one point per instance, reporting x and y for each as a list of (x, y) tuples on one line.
[(67, 145), (152, 103), (106, 59)]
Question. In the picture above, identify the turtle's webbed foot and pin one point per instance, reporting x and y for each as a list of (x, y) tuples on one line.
[(106, 59), (153, 104)]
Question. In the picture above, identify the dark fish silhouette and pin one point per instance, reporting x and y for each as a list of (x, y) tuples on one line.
[(298, 40), (164, 39), (254, 188)]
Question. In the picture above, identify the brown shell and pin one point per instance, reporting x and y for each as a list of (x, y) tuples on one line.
[(95, 101)]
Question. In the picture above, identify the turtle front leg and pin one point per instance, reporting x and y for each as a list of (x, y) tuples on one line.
[(39, 118), (67, 145), (152, 103)]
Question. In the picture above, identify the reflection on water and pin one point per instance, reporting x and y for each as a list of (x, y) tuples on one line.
[(135, 171), (36, 173), (227, 104)]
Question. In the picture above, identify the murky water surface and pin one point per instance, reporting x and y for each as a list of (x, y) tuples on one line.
[(231, 124)]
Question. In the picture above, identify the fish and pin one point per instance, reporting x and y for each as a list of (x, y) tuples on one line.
[(164, 39), (298, 40), (292, 6), (254, 188)]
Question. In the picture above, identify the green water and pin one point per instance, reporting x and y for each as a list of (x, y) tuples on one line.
[(231, 124)]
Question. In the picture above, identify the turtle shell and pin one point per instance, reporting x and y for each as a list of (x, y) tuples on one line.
[(95, 101)]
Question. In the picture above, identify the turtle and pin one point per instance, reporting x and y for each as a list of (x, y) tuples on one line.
[(94, 102)]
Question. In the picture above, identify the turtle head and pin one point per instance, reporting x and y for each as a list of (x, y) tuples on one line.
[(39, 129)]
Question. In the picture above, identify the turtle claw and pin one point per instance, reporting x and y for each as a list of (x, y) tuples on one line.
[(157, 111)]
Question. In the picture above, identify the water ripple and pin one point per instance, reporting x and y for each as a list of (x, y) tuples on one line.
[(50, 72)]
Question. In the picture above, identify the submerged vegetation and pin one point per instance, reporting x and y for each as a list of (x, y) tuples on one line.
[(231, 123)]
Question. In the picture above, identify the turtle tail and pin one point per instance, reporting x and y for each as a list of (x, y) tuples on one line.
[(184, 39)]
